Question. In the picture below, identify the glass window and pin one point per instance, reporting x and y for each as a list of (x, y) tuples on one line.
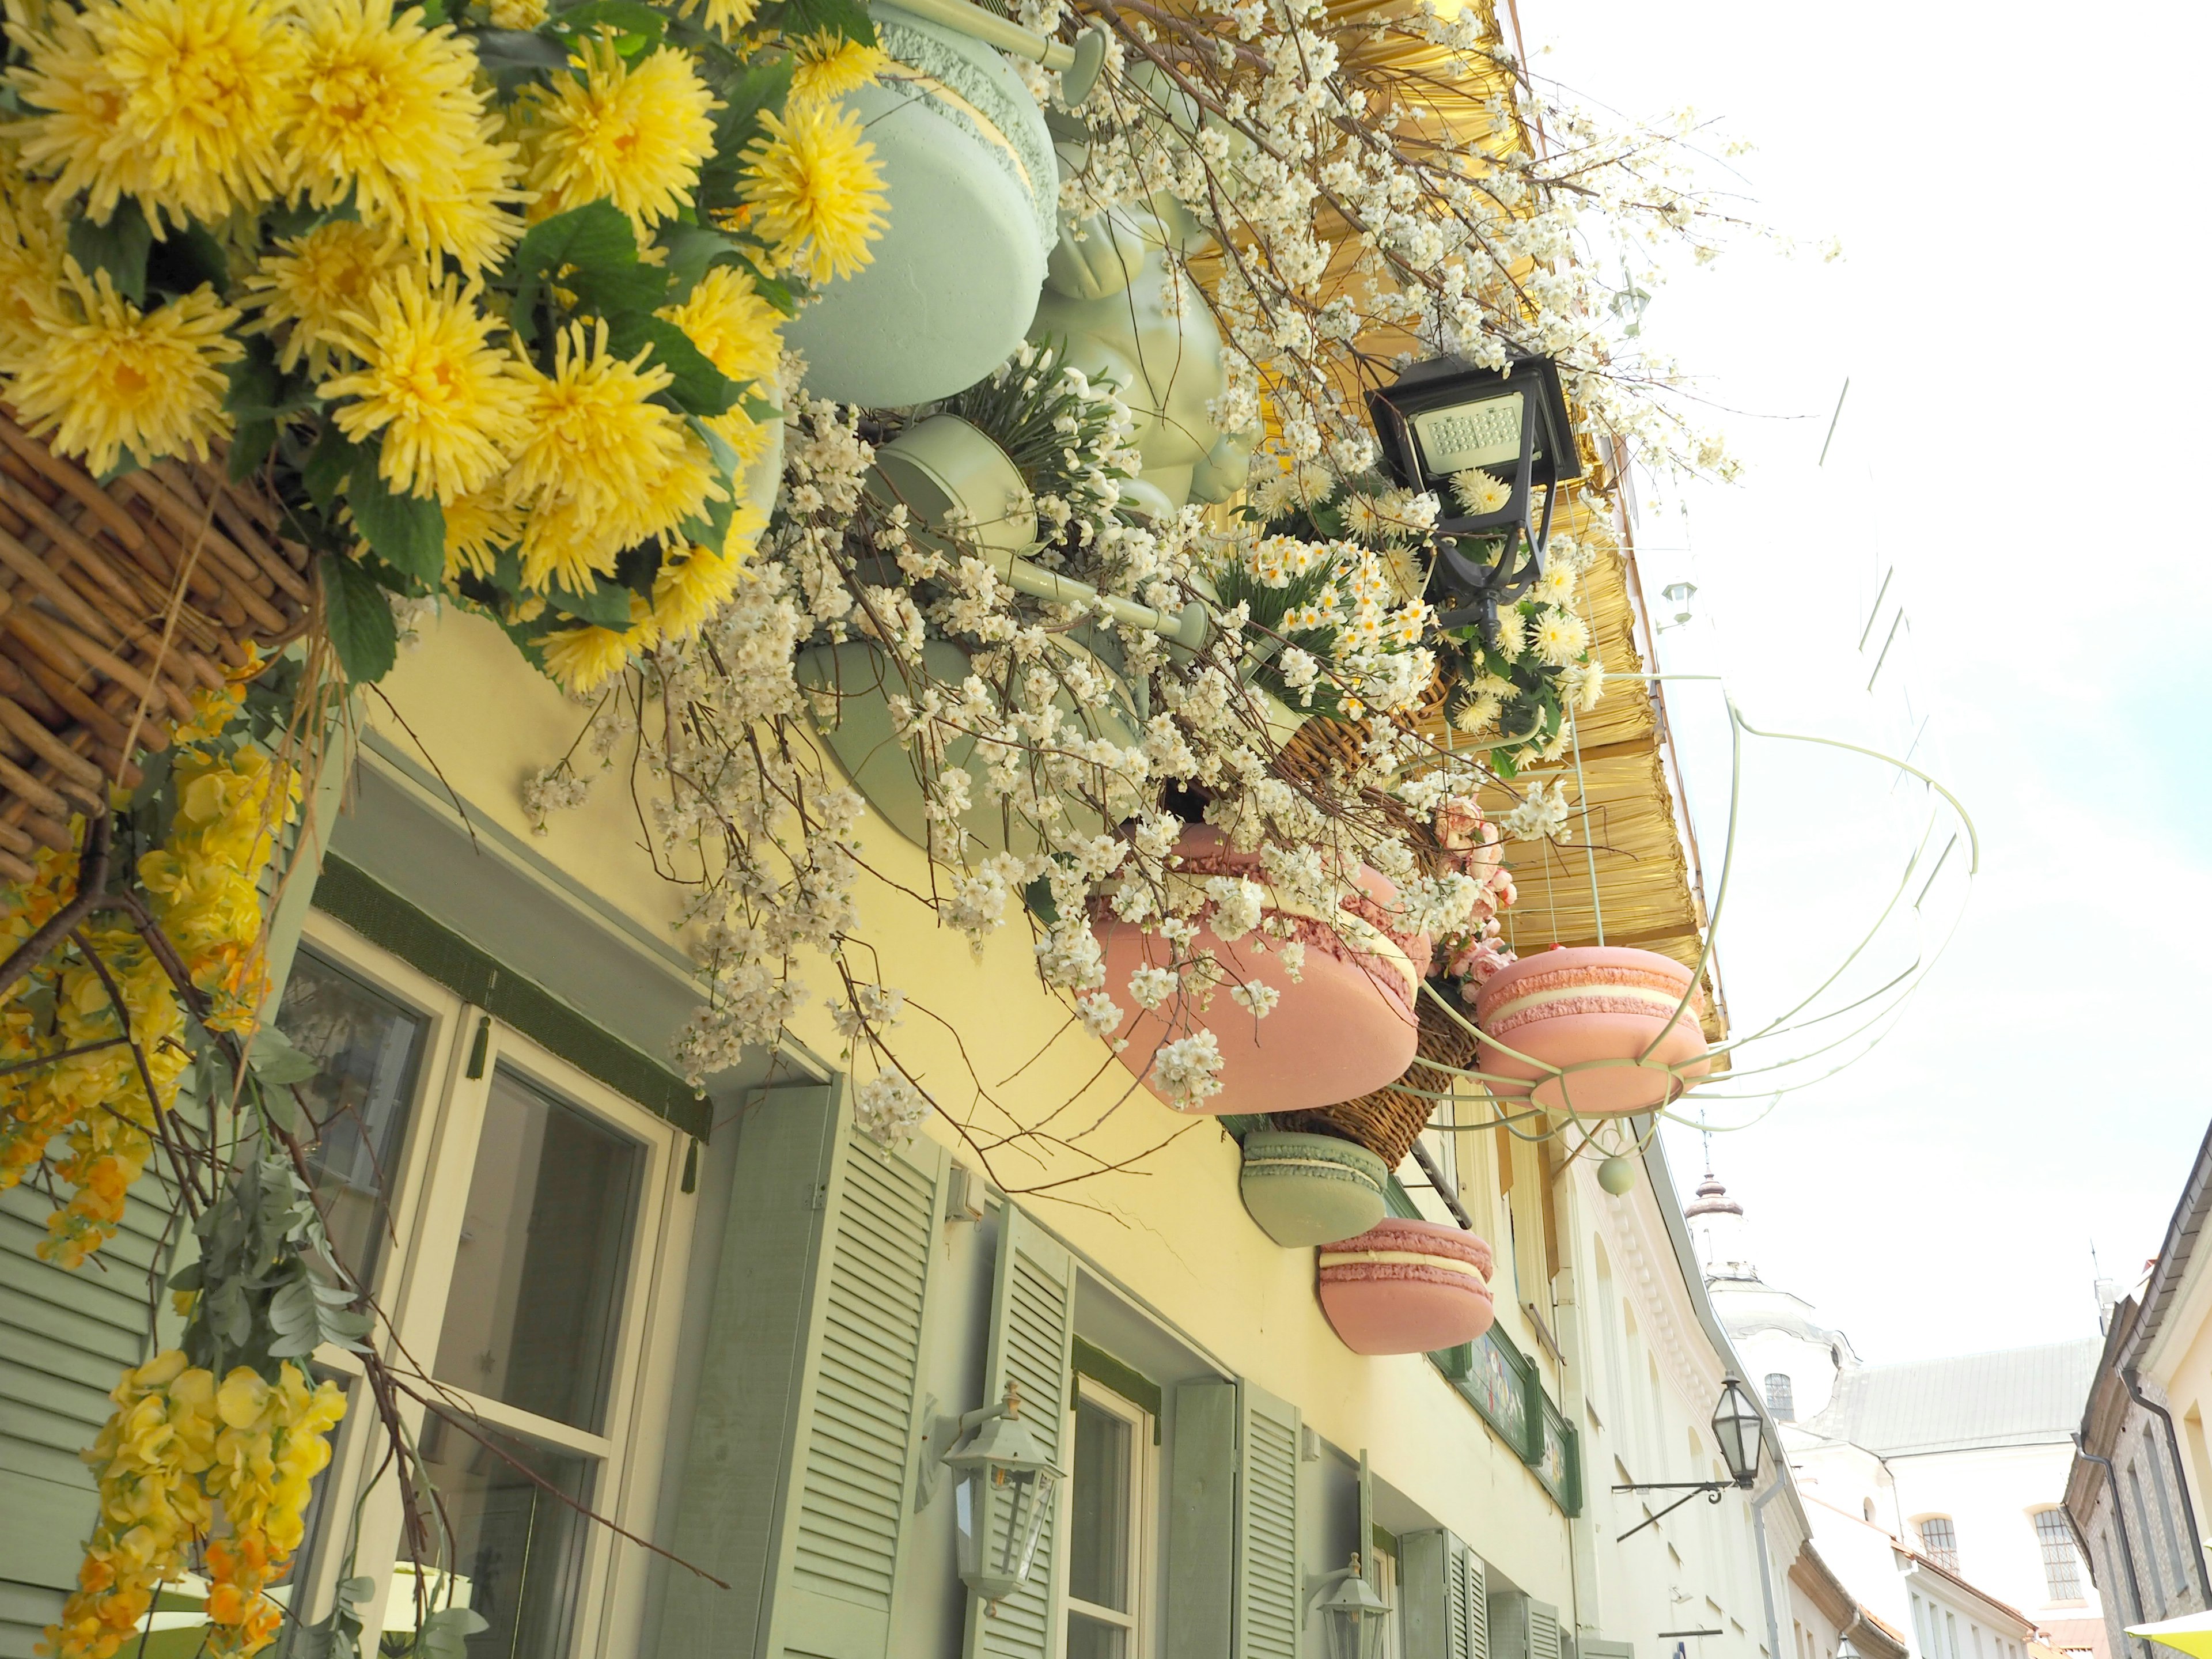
[(516, 1547), (369, 1047), (537, 1287), (2062, 1567), (1105, 1501), (1780, 1401), (1939, 1541)]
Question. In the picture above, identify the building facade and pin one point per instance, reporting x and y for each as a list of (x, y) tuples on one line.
[(1961, 1463), (2139, 1482)]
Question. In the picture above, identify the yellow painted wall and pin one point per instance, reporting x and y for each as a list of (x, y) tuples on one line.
[(1168, 1227)]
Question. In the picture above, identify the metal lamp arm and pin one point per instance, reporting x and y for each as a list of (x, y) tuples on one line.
[(1711, 1489)]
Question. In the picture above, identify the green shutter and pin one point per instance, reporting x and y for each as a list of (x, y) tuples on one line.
[(1522, 1627), (1443, 1587), (1269, 1570), (1032, 1338), (1543, 1630), (796, 1486), (1201, 1554), (65, 1338)]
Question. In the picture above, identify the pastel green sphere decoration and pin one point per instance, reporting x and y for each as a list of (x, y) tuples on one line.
[(1617, 1176)]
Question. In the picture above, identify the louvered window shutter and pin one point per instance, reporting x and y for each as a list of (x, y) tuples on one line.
[(798, 1479), (1440, 1597), (1269, 1573), (1543, 1630), (1032, 1336)]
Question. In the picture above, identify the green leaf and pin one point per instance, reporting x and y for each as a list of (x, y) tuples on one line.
[(636, 27), (592, 251), (848, 18), (186, 260), (361, 623), (607, 604), (699, 388), (277, 1061), (408, 532), (118, 247), (758, 410), (445, 1633), (693, 251), (516, 49), (324, 470), (250, 447), (756, 87)]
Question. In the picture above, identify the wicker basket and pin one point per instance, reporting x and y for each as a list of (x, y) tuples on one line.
[(115, 601), (1388, 1121)]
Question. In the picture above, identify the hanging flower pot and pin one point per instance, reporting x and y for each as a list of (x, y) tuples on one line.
[(944, 469), (858, 679), (1308, 1189), (1602, 1031), (1407, 1287), (972, 189), (1387, 1120), (1344, 1026)]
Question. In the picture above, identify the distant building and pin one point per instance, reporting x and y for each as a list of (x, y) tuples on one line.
[(1946, 1476), (2141, 1479)]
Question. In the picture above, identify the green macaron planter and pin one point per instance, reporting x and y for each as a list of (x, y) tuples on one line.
[(972, 186), (1305, 1189)]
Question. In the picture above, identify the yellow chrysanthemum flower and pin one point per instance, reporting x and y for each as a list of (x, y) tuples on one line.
[(828, 66), (112, 377), (737, 331), (477, 528), (394, 117), (178, 103), (725, 17), (632, 135), (604, 466), (815, 190), (447, 401), (30, 271), (524, 15), (585, 658), (314, 284), (689, 590)]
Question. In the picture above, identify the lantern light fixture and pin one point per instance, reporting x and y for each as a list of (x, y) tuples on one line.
[(1484, 440), (1353, 1617), (1740, 1432), (1004, 1486)]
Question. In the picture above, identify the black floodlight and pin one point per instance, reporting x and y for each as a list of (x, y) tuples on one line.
[(1484, 440)]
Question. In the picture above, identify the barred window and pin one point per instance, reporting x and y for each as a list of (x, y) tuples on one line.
[(1939, 1541), (2062, 1567)]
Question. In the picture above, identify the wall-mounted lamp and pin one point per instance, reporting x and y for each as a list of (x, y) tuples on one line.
[(1736, 1427), (1353, 1616), (1678, 594), (1484, 440), (1003, 1492)]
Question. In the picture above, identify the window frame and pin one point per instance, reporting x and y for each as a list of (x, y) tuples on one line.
[(2062, 1537), (430, 1184), (1945, 1556), (1144, 1498)]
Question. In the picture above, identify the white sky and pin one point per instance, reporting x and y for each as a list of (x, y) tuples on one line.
[(2019, 194)]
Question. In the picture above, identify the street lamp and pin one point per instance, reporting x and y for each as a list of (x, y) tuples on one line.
[(1483, 440), (1736, 1426), (1353, 1617), (1004, 1492), (1739, 1429)]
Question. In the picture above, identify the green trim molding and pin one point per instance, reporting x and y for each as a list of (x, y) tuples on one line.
[(383, 918), (1107, 1372)]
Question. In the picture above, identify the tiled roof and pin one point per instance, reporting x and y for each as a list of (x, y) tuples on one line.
[(2015, 1397)]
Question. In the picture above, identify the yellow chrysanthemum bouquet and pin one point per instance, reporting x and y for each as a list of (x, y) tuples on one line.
[(488, 300)]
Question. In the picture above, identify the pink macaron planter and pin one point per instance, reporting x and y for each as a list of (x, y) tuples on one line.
[(1345, 1025), (1406, 1286), (1596, 1030)]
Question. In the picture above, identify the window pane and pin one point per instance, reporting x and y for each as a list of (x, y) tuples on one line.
[(369, 1047), (1089, 1638), (537, 1287), (1939, 1540), (517, 1549), (2061, 1566), (1098, 1541), (1780, 1397)]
